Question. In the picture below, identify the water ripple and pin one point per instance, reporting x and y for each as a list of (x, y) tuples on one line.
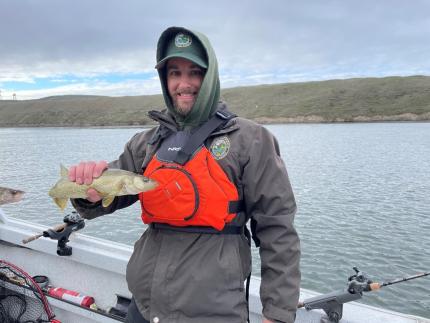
[(362, 192)]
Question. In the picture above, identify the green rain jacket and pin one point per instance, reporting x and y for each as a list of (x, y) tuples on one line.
[(181, 277)]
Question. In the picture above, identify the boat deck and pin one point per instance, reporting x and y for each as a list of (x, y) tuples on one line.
[(97, 268)]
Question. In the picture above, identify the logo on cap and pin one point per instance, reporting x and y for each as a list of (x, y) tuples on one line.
[(182, 40)]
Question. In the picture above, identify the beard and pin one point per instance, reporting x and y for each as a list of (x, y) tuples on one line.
[(182, 111), (183, 108)]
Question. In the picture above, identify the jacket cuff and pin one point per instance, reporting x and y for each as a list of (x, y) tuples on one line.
[(279, 315), (85, 203), (87, 209)]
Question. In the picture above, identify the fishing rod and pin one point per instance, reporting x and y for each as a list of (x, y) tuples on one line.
[(401, 280), (332, 303)]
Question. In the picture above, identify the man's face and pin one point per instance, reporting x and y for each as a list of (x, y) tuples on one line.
[(184, 79)]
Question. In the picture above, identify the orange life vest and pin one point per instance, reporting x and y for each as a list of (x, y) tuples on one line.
[(197, 193)]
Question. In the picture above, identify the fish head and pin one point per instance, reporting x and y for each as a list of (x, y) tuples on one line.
[(9, 195), (143, 184)]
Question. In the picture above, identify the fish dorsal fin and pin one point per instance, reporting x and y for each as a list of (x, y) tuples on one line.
[(64, 172)]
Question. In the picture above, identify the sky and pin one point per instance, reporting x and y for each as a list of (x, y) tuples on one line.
[(107, 47)]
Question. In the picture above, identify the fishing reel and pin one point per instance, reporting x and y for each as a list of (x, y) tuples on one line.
[(73, 222), (359, 283), (332, 303)]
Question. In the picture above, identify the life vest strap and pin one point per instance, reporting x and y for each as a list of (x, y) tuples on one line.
[(236, 206), (228, 229), (201, 134)]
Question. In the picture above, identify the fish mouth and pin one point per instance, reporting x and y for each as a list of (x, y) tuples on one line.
[(145, 184), (150, 185), (153, 184), (18, 196), (12, 196)]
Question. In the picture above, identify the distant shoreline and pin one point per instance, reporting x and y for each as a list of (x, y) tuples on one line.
[(388, 99), (404, 117), (410, 118)]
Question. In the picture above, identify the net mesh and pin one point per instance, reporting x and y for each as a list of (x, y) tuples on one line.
[(21, 299)]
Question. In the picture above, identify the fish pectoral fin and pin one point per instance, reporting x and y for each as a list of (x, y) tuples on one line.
[(61, 202), (108, 200)]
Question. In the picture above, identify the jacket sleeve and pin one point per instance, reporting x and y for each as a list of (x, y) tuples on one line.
[(128, 160), (270, 202)]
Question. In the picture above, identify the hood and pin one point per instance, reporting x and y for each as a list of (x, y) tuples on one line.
[(208, 97)]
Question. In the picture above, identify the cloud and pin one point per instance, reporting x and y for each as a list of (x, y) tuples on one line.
[(125, 88), (255, 41), (122, 63)]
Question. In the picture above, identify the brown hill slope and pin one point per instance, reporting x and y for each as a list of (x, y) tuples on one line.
[(366, 99)]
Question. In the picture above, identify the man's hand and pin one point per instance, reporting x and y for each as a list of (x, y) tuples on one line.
[(267, 320), (84, 173)]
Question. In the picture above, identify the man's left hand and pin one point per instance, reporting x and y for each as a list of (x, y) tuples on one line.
[(266, 320)]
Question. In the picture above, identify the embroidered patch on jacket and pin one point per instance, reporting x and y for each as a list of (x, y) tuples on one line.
[(182, 40), (220, 147)]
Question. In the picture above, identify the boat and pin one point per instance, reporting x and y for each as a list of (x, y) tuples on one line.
[(96, 267)]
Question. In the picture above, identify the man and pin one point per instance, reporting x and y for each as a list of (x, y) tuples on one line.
[(215, 172)]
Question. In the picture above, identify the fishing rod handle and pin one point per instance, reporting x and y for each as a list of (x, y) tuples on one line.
[(32, 238), (58, 227), (375, 286)]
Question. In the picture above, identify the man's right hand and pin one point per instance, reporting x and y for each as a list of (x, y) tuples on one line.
[(84, 173)]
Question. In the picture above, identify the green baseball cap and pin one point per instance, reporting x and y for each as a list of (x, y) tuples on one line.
[(186, 46)]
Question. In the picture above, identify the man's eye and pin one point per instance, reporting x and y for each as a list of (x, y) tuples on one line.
[(174, 73), (197, 72)]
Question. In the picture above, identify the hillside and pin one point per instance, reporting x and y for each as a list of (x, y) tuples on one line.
[(365, 99)]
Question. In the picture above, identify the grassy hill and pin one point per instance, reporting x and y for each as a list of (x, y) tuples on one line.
[(365, 99)]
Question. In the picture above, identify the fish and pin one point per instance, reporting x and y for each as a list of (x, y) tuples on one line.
[(112, 183), (10, 195)]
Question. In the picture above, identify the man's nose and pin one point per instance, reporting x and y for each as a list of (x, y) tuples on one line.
[(184, 81)]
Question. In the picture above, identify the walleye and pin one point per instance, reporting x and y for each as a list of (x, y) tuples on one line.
[(9, 195), (112, 183)]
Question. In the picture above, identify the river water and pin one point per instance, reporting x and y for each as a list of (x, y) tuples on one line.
[(362, 189)]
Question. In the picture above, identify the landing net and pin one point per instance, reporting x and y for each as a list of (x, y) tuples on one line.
[(21, 299)]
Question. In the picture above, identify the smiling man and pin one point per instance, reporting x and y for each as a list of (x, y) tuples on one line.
[(190, 85), (184, 79), (215, 173), (185, 71)]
